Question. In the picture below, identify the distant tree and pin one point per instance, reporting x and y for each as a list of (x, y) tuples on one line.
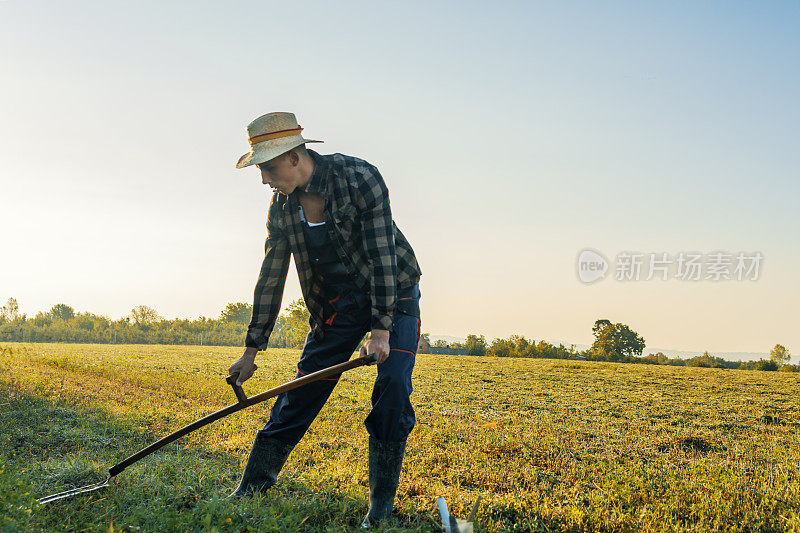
[(545, 350), (704, 361), (500, 348), (279, 338), (763, 364), (655, 358), (297, 317), (521, 346), (84, 321), (475, 345), (239, 313), (62, 312), (10, 311), (779, 355), (42, 319), (615, 342), (143, 315)]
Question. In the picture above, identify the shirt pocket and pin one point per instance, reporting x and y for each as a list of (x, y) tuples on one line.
[(346, 222)]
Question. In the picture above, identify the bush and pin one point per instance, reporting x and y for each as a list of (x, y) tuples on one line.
[(763, 364)]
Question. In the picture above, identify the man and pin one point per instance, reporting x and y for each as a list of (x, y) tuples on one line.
[(358, 274)]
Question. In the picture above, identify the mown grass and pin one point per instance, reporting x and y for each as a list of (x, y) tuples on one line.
[(549, 445)]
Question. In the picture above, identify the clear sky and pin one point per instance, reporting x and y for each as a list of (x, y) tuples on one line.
[(512, 135)]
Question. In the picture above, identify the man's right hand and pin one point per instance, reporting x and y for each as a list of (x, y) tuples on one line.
[(244, 366)]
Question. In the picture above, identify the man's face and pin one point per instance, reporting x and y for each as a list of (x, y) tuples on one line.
[(280, 173)]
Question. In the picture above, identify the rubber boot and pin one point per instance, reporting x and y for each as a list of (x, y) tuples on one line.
[(385, 462), (266, 459)]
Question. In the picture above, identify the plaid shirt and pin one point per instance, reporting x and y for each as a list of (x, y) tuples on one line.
[(365, 237)]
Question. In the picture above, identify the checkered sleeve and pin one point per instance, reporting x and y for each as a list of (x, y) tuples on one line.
[(378, 235), (271, 280)]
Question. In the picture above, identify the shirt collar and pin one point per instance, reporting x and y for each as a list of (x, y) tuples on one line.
[(319, 177)]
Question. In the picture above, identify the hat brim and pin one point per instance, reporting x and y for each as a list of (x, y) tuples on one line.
[(264, 151)]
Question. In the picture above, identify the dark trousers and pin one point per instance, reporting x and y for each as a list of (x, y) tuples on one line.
[(347, 320)]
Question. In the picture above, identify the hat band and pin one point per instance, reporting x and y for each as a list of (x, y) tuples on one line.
[(274, 135)]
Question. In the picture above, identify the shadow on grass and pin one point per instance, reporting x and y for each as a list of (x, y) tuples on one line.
[(50, 446)]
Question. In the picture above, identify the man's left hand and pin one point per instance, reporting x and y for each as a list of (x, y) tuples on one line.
[(378, 343)]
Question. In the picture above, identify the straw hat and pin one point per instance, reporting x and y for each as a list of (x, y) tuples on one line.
[(271, 135)]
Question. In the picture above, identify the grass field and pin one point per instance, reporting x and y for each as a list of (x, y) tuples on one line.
[(550, 445)]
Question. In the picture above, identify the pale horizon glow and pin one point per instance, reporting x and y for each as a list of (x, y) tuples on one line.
[(511, 138)]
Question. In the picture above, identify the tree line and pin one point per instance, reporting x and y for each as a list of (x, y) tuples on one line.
[(145, 326), (614, 342)]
